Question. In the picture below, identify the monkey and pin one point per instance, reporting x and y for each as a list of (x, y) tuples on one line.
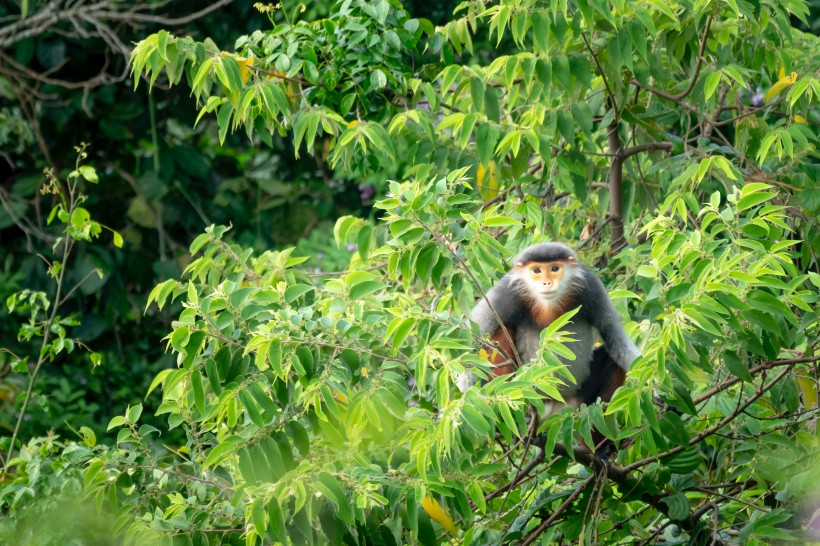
[(545, 282)]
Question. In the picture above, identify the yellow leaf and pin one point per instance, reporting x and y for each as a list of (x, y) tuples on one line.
[(800, 119), (353, 123), (364, 372), (809, 391), (487, 180), (780, 85), (291, 90), (437, 514), (488, 356), (245, 66)]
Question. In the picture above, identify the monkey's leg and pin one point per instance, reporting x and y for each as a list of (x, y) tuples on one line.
[(605, 376)]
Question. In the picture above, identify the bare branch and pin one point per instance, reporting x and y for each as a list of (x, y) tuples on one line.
[(648, 147), (683, 94), (533, 536)]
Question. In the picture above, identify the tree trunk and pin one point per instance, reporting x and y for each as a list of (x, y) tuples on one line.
[(615, 187)]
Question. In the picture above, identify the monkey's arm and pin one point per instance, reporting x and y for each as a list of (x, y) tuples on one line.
[(504, 300), (597, 310)]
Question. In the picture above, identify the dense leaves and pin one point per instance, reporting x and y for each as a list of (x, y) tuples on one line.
[(332, 400), (321, 407)]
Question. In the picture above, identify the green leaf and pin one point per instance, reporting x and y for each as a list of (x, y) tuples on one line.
[(223, 119), (293, 292), (477, 496), (477, 94), (89, 174), (201, 74), (133, 413), (250, 407), (401, 333), (117, 421), (486, 139), (583, 117), (754, 199), (343, 226), (330, 488), (300, 437), (257, 513), (362, 289), (377, 79), (540, 31), (621, 293), (476, 421), (363, 240), (199, 392), (218, 454), (566, 127), (561, 72), (678, 506), (276, 521), (735, 366), (501, 221), (711, 84)]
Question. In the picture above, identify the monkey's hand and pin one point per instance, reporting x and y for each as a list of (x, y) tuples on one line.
[(465, 380)]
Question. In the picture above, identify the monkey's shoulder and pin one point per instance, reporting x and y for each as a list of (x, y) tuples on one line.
[(509, 301), (591, 296)]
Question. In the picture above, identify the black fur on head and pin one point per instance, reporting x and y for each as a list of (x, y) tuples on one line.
[(545, 252)]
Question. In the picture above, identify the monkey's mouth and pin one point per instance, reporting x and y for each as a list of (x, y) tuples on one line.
[(548, 294)]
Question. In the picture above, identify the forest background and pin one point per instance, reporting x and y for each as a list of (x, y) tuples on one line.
[(499, 123)]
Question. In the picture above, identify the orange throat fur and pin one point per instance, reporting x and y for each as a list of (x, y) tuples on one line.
[(544, 313)]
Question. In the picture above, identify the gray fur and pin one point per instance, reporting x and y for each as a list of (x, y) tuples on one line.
[(597, 310), (596, 313), (545, 252)]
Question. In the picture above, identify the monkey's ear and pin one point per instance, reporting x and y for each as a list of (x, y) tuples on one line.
[(572, 260), (519, 265)]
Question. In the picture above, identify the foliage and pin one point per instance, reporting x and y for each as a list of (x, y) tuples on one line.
[(586, 91), (55, 509), (164, 182), (45, 331), (321, 408), (327, 410)]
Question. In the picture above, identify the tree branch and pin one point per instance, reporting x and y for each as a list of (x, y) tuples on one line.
[(533, 536), (616, 186), (683, 94), (711, 430), (648, 147)]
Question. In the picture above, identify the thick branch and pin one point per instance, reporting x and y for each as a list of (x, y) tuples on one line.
[(624, 479), (616, 186), (648, 147)]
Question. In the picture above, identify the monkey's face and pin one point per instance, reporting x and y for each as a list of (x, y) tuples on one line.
[(547, 280)]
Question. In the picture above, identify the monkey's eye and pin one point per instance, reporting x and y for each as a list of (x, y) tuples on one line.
[(556, 269), (536, 270)]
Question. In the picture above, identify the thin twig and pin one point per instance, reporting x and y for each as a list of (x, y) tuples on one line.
[(533, 536), (683, 94), (709, 431)]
